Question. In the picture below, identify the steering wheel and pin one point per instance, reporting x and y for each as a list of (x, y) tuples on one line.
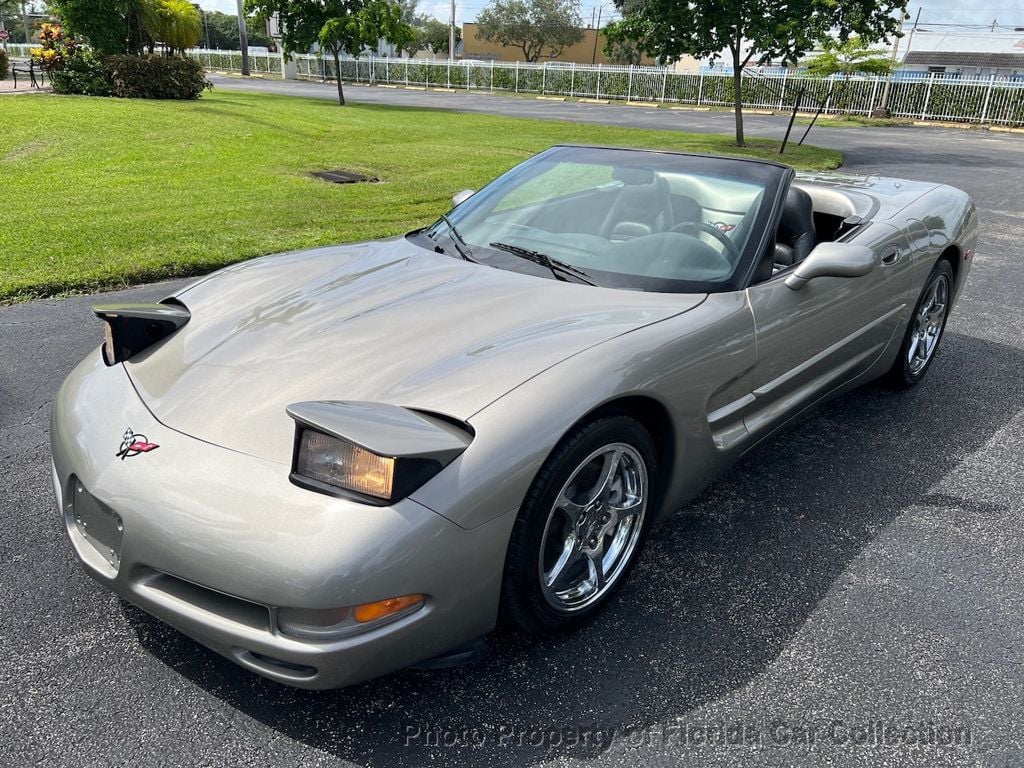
[(692, 227)]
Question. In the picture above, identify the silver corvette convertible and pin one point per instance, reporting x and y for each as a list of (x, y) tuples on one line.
[(332, 464)]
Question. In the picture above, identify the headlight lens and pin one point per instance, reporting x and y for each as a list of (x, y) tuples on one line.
[(328, 460)]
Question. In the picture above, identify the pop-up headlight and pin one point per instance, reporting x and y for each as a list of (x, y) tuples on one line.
[(131, 328), (371, 452)]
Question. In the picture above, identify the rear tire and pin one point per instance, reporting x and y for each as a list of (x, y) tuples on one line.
[(925, 329), (581, 526)]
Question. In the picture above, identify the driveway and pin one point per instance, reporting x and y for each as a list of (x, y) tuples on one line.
[(850, 594)]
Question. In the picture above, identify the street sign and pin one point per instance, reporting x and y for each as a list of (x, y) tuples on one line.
[(4, 35)]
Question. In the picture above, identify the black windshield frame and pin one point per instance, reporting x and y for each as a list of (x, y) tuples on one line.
[(775, 179)]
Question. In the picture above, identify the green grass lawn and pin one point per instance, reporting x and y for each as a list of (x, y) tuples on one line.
[(100, 193)]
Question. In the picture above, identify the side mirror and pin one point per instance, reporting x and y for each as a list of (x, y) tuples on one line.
[(833, 260), (462, 197)]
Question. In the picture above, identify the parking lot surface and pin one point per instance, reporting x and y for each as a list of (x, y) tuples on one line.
[(850, 594)]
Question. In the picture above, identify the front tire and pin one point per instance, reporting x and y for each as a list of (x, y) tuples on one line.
[(581, 526), (924, 332)]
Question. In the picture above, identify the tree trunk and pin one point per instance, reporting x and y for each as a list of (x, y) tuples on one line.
[(337, 72), (737, 84)]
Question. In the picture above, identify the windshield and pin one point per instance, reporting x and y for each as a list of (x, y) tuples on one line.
[(621, 218)]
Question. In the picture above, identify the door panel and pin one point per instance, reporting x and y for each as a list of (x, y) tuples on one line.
[(812, 340)]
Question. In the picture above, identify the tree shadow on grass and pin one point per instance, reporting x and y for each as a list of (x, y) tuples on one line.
[(721, 589)]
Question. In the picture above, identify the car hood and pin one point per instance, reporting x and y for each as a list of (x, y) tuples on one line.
[(385, 322)]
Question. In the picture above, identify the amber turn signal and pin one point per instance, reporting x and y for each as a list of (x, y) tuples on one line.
[(382, 608)]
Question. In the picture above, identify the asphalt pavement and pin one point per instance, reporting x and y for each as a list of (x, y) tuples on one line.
[(850, 594)]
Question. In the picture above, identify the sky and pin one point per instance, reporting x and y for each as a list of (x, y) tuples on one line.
[(1007, 12)]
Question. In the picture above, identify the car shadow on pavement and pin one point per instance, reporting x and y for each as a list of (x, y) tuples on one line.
[(722, 589)]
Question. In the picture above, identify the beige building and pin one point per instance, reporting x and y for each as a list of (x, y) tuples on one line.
[(588, 51)]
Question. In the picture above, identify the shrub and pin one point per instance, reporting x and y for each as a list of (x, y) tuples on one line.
[(5, 64), (83, 73), (55, 48), (155, 77)]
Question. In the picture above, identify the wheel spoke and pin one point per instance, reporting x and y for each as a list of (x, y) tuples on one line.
[(914, 345), (633, 506), (568, 550), (595, 563), (922, 347), (572, 510), (608, 470)]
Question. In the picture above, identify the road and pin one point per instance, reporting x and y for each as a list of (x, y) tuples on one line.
[(863, 567)]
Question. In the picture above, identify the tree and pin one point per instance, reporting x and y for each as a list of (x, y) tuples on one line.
[(849, 58), (221, 31), (536, 27), (11, 20), (103, 23), (130, 26), (434, 35), (177, 25), (751, 30), (415, 21), (337, 25), (624, 52)]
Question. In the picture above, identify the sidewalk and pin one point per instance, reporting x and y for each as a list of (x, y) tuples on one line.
[(24, 86)]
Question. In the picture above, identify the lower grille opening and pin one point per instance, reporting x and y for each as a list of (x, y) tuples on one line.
[(208, 600)]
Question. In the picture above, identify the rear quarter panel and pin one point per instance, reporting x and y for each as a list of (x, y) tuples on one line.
[(942, 220)]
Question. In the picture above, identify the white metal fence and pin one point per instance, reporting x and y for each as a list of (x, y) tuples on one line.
[(260, 63), (989, 100), (19, 50)]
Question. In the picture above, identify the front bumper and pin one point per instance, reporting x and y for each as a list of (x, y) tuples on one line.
[(214, 541)]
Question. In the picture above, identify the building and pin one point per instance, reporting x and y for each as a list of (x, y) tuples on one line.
[(958, 54), (589, 51)]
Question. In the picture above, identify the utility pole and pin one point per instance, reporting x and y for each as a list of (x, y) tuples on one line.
[(243, 40), (597, 34), (884, 106), (913, 29), (451, 35), (994, 25)]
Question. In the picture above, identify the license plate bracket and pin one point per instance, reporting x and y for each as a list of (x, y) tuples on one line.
[(97, 525)]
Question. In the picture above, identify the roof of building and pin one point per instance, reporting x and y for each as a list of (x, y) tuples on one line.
[(966, 59), (956, 42)]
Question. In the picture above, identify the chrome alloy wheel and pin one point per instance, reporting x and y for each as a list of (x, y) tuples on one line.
[(928, 324), (593, 527)]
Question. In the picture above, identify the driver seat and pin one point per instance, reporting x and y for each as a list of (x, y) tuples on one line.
[(639, 209)]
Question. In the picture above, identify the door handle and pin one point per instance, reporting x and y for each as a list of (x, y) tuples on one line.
[(892, 256)]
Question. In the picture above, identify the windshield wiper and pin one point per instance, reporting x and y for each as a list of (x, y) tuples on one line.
[(460, 244), (558, 268)]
